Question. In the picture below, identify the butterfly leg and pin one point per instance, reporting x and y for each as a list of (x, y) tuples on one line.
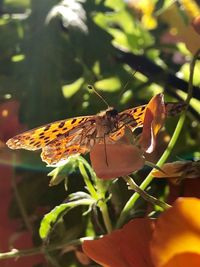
[(105, 150)]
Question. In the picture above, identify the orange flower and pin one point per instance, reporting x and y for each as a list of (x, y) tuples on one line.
[(176, 238), (171, 240), (125, 156), (126, 247)]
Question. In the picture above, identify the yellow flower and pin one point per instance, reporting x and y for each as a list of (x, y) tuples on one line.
[(191, 8), (146, 8)]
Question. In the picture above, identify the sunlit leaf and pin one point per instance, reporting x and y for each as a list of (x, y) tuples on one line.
[(109, 84), (62, 171), (59, 211), (70, 89)]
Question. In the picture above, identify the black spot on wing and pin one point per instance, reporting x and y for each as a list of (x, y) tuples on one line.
[(61, 124), (47, 127), (64, 129), (81, 120), (73, 121)]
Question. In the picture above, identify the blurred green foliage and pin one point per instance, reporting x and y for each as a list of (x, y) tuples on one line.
[(51, 50)]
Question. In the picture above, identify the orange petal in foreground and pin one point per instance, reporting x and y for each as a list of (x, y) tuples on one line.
[(127, 247), (117, 160), (176, 238)]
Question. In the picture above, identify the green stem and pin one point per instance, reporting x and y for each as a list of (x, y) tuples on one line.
[(130, 203), (145, 195), (87, 181), (98, 195), (102, 188), (106, 218), (15, 253), (89, 168)]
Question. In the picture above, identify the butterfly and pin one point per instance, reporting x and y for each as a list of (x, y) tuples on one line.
[(61, 139)]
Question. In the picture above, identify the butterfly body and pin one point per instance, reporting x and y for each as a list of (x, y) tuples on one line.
[(106, 122), (61, 139)]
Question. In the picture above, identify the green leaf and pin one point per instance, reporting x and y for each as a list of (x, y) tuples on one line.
[(61, 172), (58, 212), (17, 3), (70, 89), (110, 84), (78, 195)]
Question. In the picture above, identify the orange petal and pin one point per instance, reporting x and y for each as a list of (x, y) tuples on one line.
[(115, 160), (179, 169), (170, 170), (106, 250), (127, 247), (136, 242), (184, 259), (153, 121), (177, 235)]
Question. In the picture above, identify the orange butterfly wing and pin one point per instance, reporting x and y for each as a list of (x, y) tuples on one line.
[(71, 143), (134, 117), (61, 139), (41, 136), (59, 149)]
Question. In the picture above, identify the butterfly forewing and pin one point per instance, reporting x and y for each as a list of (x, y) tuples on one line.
[(173, 109), (134, 117), (41, 136), (64, 138)]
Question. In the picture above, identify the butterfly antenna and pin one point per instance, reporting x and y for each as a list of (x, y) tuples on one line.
[(90, 87), (127, 83)]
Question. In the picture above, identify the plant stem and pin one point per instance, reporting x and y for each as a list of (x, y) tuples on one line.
[(98, 195), (19, 201), (145, 195), (106, 218), (87, 181), (15, 253), (130, 203)]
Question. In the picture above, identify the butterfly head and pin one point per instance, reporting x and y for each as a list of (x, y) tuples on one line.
[(111, 113)]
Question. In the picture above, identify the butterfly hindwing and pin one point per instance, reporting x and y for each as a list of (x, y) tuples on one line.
[(70, 144), (60, 150)]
